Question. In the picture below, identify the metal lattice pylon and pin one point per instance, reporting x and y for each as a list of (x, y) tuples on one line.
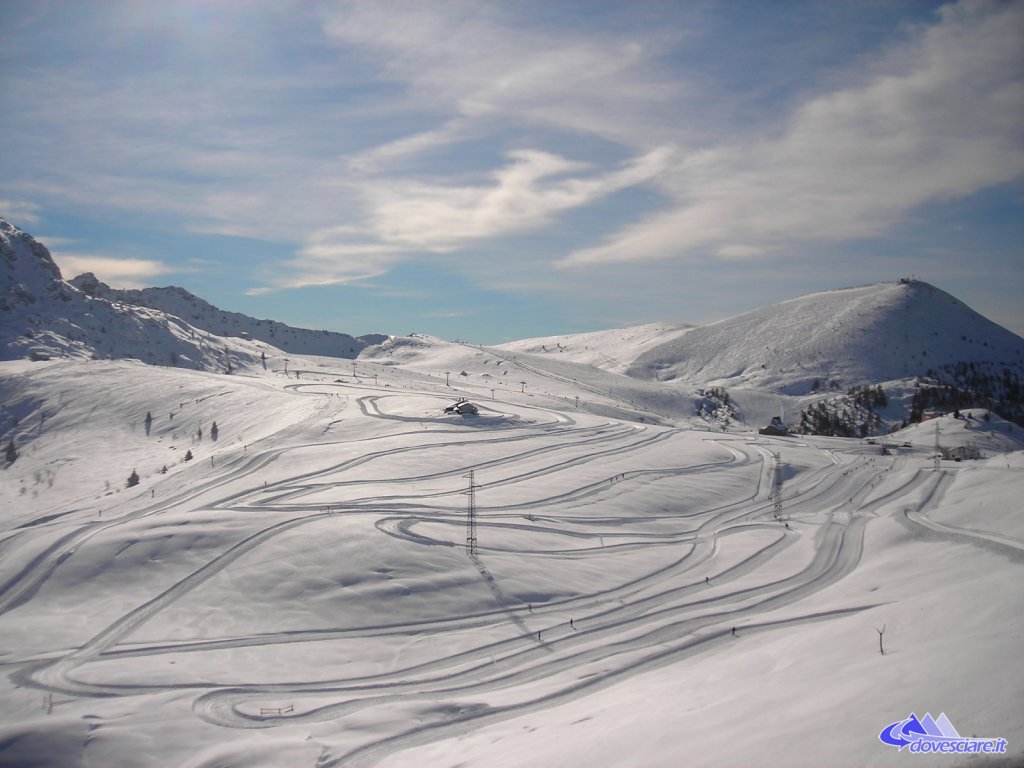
[(471, 515), (777, 466)]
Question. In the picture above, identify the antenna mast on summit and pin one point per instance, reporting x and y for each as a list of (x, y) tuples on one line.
[(471, 515)]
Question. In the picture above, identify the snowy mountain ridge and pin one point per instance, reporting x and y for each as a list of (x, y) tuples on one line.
[(818, 352), (851, 336), (860, 336), (314, 564), (201, 314), (859, 360), (43, 316)]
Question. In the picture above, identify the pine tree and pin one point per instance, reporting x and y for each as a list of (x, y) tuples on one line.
[(12, 452), (133, 479), (214, 432), (188, 456), (164, 470)]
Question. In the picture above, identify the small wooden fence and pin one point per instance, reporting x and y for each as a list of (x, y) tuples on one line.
[(277, 710)]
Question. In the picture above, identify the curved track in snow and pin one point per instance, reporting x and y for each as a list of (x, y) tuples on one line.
[(695, 568)]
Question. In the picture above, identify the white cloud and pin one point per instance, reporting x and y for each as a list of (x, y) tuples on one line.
[(476, 61), (740, 252), (331, 257), (218, 146), (938, 118), (405, 217), (19, 211), (116, 272), (388, 155), (523, 195), (54, 242), (290, 140), (446, 314)]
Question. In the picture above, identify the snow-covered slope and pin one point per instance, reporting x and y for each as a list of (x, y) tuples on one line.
[(296, 589), (29, 279), (985, 432), (613, 350), (481, 372), (853, 336), (44, 317), (300, 594), (922, 347), (866, 387), (201, 314)]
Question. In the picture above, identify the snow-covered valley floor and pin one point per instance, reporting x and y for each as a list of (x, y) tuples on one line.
[(300, 592)]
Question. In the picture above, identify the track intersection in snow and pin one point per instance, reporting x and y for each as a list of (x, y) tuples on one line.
[(303, 590)]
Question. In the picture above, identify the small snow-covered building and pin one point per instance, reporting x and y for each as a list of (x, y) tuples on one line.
[(961, 453), (462, 407), (775, 429)]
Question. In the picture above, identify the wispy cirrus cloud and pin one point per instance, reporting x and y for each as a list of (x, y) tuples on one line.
[(394, 153), (474, 71), (20, 211), (933, 116), (936, 118), (331, 257), (521, 196), (187, 114), (116, 272), (407, 217), (474, 62), (492, 140), (449, 314)]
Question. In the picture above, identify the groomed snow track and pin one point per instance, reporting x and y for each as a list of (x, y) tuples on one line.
[(568, 488)]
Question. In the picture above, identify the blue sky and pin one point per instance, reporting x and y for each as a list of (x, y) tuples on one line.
[(492, 171)]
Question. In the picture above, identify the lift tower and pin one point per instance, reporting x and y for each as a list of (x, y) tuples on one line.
[(471, 515), (777, 467)]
